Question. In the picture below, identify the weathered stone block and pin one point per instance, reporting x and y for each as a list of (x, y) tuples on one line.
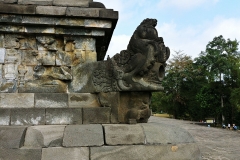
[(27, 43), (46, 43), (10, 18), (44, 86), (48, 58), (49, 100), (85, 44), (87, 56), (97, 23), (81, 100), (10, 1), (11, 41), (81, 43), (11, 28), (44, 136), (134, 105), (2, 55), (12, 56), (108, 13), (63, 116), (82, 12), (65, 58), (17, 9), (12, 137), (51, 10), (4, 117), (30, 57), (90, 56), (154, 152), (8, 86), (27, 116), (96, 5), (119, 134), (1, 74), (70, 22), (98, 115), (10, 71), (82, 3), (20, 154), (65, 153), (98, 33), (1, 40), (111, 99), (38, 20), (165, 134), (83, 135), (38, 2), (38, 29), (81, 74), (73, 31), (16, 100)]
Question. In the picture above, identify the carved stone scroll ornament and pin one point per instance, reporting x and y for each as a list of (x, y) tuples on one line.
[(140, 67)]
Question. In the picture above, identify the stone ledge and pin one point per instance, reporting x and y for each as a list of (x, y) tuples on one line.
[(56, 21), (54, 116), (61, 10), (36, 2), (77, 3), (16, 100), (49, 100), (17, 9)]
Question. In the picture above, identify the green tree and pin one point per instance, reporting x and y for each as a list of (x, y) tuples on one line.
[(218, 64)]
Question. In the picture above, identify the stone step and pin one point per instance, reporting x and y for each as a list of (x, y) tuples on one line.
[(55, 116), (95, 141)]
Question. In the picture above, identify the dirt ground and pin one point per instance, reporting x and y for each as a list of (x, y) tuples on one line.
[(214, 143)]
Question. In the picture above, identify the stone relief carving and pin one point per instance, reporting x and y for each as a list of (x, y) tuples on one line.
[(140, 67)]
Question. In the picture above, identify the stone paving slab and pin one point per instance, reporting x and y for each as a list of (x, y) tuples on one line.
[(83, 135), (44, 136), (214, 143), (152, 152), (20, 154), (116, 134), (59, 153), (165, 134), (12, 137)]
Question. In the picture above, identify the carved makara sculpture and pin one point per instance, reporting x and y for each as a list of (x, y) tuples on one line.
[(139, 68), (133, 73)]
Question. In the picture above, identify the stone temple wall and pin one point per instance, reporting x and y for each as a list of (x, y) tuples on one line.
[(59, 99)]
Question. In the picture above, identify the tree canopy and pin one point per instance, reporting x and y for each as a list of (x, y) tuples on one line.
[(207, 86)]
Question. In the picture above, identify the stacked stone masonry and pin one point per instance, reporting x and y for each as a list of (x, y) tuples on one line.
[(60, 100), (95, 141)]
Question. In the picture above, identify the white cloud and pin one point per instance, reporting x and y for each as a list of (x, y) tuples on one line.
[(185, 4), (117, 44), (193, 40), (117, 5)]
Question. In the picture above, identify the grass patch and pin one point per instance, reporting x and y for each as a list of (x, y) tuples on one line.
[(163, 115)]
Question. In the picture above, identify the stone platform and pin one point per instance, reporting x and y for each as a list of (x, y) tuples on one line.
[(97, 142)]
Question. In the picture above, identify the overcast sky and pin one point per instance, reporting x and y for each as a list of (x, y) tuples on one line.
[(186, 25)]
